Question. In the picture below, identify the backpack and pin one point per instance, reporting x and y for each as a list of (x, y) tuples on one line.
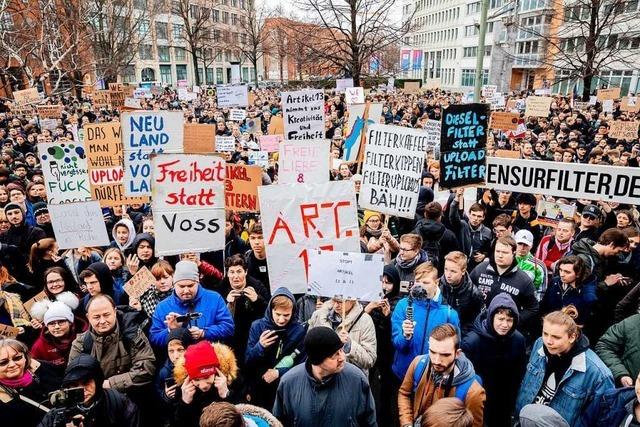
[(461, 389), (432, 249), (128, 335)]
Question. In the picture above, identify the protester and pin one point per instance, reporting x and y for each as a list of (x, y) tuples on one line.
[(437, 240), (618, 349), (459, 291), (527, 263), (554, 246), (410, 255), (473, 235), (224, 414)]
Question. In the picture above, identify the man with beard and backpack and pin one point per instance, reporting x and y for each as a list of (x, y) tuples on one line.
[(437, 240)]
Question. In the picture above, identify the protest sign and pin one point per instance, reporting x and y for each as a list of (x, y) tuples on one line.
[(241, 188), (49, 124), (544, 91), (105, 164), (581, 106), (342, 84), (232, 96), (550, 213), (393, 162), (116, 87), (488, 91), (411, 87), (102, 99), (619, 129), (132, 103), (50, 111), (144, 133), (38, 297), (116, 99), (572, 180), (276, 126), (297, 218), (7, 331), (27, 96), (504, 120), (139, 283), (237, 115), (607, 106), (270, 143), (199, 138), (64, 167), (303, 114), (182, 93), (345, 274), (79, 225), (260, 158), (605, 94), (463, 145), (510, 154), (538, 106), (433, 129), (630, 104), (360, 117), (188, 203), (225, 144), (303, 162), (354, 95), (254, 125)]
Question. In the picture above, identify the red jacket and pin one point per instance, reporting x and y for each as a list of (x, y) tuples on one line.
[(55, 351)]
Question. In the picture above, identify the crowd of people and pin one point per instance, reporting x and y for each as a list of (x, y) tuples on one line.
[(488, 317)]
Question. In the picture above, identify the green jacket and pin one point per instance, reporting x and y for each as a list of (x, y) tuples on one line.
[(533, 270), (619, 348)]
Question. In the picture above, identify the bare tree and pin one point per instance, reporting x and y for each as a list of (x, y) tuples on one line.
[(252, 41), (346, 33), (592, 35)]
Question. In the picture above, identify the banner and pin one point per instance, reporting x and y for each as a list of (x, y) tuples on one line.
[(303, 114), (303, 162), (270, 143), (232, 96), (538, 106), (276, 126), (630, 104), (360, 117), (145, 133), (297, 218), (188, 203), (354, 95), (64, 167), (550, 213), (504, 120), (225, 144), (50, 111), (411, 88), (342, 84), (105, 160), (346, 275), (199, 138), (572, 180), (236, 115), (27, 96), (392, 170), (605, 94), (79, 225), (463, 145), (619, 129), (405, 59), (241, 188)]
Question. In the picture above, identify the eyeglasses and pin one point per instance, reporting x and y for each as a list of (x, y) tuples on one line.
[(60, 322), (53, 282), (15, 359)]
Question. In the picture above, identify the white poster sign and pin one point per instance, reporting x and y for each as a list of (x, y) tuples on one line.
[(237, 115), (233, 96), (79, 225), (225, 144), (342, 84), (354, 95), (188, 203), (258, 158), (297, 218), (303, 162), (303, 114), (433, 132), (64, 166)]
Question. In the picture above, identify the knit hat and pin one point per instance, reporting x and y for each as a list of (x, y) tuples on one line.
[(40, 208), (186, 270), (201, 360), (13, 186), (11, 207), (321, 342), (181, 334), (58, 311), (369, 214)]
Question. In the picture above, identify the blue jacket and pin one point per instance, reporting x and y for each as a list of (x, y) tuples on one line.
[(427, 315), (613, 409), (582, 298), (216, 319), (582, 386)]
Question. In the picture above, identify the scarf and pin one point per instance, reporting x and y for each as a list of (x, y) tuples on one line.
[(408, 265), (25, 380), (373, 233)]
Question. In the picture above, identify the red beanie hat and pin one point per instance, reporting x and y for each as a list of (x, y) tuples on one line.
[(200, 360)]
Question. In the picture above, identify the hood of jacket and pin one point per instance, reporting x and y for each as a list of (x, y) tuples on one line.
[(144, 237), (294, 316), (392, 275), (510, 271), (132, 233), (102, 272), (430, 229), (227, 359), (464, 369), (502, 300), (585, 246)]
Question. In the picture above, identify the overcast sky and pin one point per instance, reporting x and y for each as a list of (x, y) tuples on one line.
[(288, 5)]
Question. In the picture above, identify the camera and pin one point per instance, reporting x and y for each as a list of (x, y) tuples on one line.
[(188, 317), (66, 397)]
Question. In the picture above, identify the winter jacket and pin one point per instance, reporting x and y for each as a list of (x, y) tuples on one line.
[(259, 359), (415, 397), (592, 259), (471, 240), (215, 320), (535, 269), (629, 305), (132, 234), (514, 282), (361, 347), (54, 350), (582, 297), (549, 246), (531, 224), (465, 298), (434, 231), (427, 315), (582, 385), (488, 350), (133, 249), (125, 355), (340, 400), (15, 249), (619, 348), (614, 409)]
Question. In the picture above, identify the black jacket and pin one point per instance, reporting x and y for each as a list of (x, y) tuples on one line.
[(465, 298), (435, 231), (471, 240), (16, 247)]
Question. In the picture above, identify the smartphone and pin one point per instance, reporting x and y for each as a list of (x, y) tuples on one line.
[(280, 333), (169, 382)]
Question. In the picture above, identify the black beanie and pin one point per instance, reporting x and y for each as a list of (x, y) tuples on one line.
[(181, 334), (321, 342)]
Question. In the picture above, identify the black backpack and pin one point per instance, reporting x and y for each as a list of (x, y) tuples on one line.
[(432, 248)]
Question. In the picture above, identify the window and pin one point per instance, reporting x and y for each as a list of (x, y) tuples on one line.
[(245, 74), (162, 30), (216, 15), (210, 79), (470, 30), (181, 72), (140, 4), (487, 50), (143, 28), (219, 55), (129, 74), (180, 53), (175, 7), (473, 8), (177, 30), (533, 4), (194, 11), (225, 17), (493, 4), (148, 75), (469, 77), (470, 52), (219, 76), (234, 3), (200, 75), (489, 27), (165, 74), (164, 54), (234, 19), (145, 51)]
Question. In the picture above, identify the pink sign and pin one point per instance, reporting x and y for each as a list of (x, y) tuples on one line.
[(270, 143)]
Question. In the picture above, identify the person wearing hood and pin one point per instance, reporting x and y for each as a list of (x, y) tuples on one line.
[(526, 218), (142, 253), (101, 407), (474, 237), (459, 291), (97, 279), (409, 257), (275, 345), (498, 353), (124, 234), (501, 274), (17, 241), (443, 372), (563, 373), (437, 240)]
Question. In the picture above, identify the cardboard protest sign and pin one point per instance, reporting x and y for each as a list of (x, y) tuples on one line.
[(7, 331), (139, 283), (354, 95), (571, 180), (605, 94), (550, 213), (254, 125), (64, 167), (260, 158), (581, 106), (116, 99), (342, 84), (538, 106), (411, 87), (188, 202), (433, 129), (144, 133), (270, 143), (38, 297), (303, 114), (630, 104), (297, 218), (225, 144), (241, 188), (346, 275), (199, 138), (50, 111), (237, 115), (232, 96), (105, 160), (303, 162), (504, 120), (607, 106), (102, 99), (79, 224), (463, 145), (276, 126), (619, 129), (509, 154), (27, 96), (360, 117), (392, 169), (49, 124), (132, 103)]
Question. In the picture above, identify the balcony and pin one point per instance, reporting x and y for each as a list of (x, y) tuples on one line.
[(528, 60)]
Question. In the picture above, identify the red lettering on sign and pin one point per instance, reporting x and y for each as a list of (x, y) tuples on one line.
[(281, 225), (308, 219)]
